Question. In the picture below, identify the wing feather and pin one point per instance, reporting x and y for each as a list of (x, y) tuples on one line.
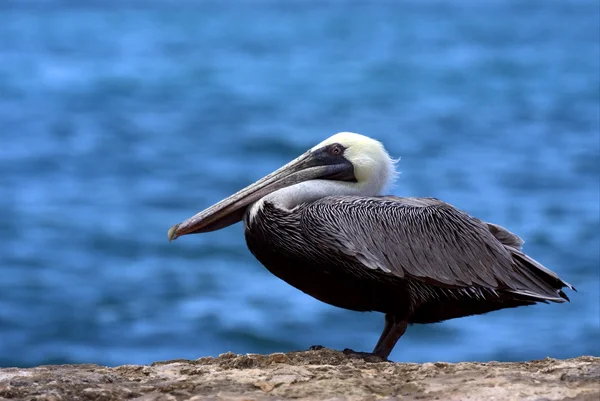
[(428, 240)]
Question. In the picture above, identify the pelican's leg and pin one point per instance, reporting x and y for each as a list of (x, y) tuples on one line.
[(393, 330), (389, 323)]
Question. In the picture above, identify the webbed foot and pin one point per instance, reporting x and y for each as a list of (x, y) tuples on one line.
[(365, 356)]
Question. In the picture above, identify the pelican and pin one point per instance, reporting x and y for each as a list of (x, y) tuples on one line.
[(322, 224)]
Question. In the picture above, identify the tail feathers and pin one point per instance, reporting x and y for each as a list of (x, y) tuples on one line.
[(546, 283), (561, 298), (542, 284)]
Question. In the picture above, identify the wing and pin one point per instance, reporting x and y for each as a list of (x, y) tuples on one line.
[(428, 240)]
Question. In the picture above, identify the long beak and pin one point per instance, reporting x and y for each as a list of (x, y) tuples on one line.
[(310, 165)]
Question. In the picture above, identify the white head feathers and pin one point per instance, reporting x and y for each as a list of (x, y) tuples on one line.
[(374, 169)]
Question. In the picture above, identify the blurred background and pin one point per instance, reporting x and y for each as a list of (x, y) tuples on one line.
[(121, 118)]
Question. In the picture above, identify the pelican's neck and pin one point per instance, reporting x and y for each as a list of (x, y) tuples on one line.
[(310, 191)]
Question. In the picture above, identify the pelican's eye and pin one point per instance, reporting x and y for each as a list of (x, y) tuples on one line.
[(336, 149)]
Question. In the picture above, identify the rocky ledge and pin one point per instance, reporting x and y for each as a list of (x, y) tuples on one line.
[(312, 375)]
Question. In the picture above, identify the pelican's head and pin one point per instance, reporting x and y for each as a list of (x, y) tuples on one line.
[(359, 163), (373, 168)]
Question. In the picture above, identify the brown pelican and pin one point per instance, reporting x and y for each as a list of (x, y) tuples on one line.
[(321, 224)]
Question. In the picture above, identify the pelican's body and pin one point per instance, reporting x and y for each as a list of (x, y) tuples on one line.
[(321, 224)]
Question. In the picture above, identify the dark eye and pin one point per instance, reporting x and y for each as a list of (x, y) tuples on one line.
[(336, 150)]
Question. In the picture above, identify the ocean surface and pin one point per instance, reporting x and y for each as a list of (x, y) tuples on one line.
[(119, 119)]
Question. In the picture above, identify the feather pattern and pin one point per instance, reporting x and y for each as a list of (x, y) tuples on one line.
[(418, 258), (430, 241)]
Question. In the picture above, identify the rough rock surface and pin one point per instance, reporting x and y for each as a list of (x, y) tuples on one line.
[(314, 375)]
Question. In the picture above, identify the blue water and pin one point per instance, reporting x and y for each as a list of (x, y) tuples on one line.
[(118, 120)]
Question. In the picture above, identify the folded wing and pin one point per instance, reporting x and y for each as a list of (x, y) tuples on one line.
[(431, 241)]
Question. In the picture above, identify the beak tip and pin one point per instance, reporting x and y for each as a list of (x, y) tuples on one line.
[(173, 232)]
